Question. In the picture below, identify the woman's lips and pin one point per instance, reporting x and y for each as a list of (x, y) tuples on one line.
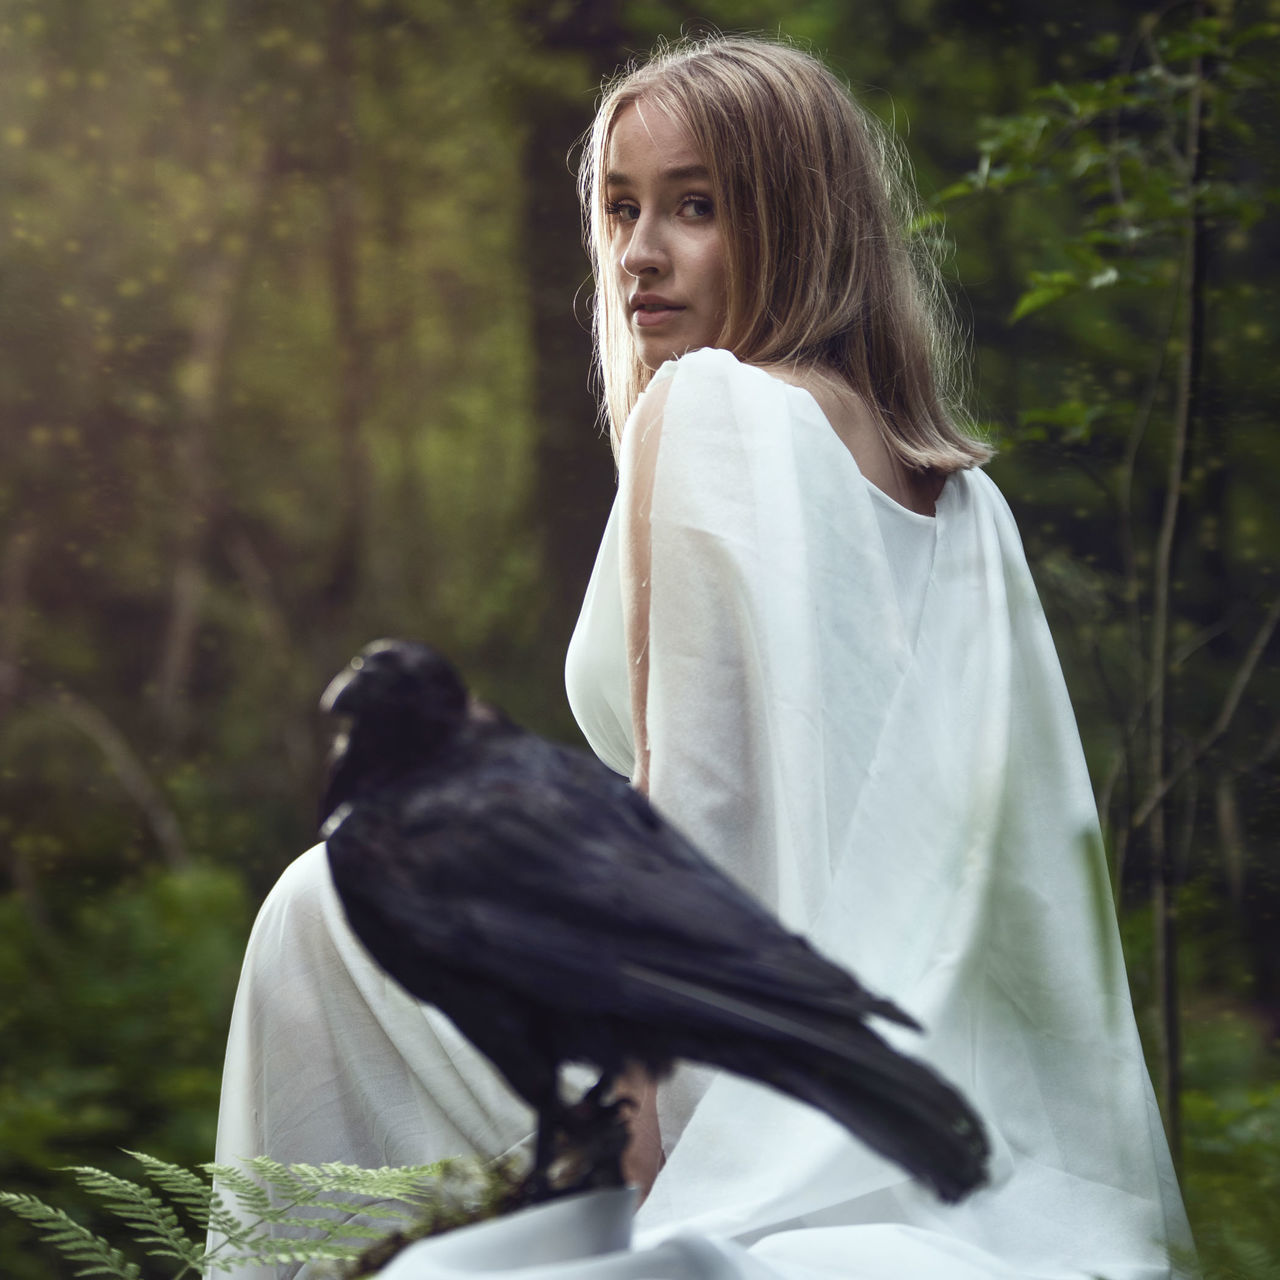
[(647, 316)]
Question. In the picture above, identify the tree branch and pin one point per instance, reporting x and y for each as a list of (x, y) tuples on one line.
[(1202, 746), (130, 772)]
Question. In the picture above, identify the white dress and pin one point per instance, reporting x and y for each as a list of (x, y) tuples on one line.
[(858, 713)]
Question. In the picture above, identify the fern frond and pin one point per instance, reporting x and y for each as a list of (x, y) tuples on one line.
[(269, 1252), (153, 1221), (287, 1181), (184, 1187), (336, 1227), (355, 1231), (390, 1182), (249, 1193), (300, 1182), (77, 1243), (227, 1223), (368, 1209), (336, 1208)]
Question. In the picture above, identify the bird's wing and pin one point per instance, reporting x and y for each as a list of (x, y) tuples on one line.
[(542, 872), (552, 917)]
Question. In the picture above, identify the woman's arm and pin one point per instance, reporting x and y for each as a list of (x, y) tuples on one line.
[(640, 442), (643, 1157)]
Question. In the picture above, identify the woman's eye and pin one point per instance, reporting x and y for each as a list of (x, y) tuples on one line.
[(697, 207), (622, 210)]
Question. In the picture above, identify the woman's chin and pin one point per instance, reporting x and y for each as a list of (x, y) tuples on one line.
[(654, 352)]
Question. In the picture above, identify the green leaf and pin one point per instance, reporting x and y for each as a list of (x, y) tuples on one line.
[(1071, 419), (183, 1186), (153, 1221), (1048, 287), (74, 1241)]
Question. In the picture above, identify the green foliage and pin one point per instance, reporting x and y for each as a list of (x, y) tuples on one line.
[(202, 278), (76, 1243), (1133, 205), (113, 1028), (277, 1213), (1114, 143), (1232, 1181), (116, 1016), (1121, 193)]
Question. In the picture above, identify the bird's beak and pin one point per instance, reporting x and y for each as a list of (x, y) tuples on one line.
[(480, 712), (331, 699), (334, 821)]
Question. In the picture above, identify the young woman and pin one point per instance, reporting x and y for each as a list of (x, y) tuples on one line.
[(812, 637)]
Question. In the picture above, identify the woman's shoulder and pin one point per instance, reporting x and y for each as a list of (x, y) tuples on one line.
[(710, 365), (709, 391), (306, 876), (303, 892), (698, 394)]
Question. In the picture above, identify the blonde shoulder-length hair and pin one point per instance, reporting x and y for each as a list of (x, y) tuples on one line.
[(814, 201)]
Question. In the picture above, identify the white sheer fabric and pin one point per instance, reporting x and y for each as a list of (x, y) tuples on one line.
[(897, 772), (883, 750), (328, 1059)]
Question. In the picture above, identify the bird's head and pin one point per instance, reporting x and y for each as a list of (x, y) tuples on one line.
[(398, 682), (404, 704)]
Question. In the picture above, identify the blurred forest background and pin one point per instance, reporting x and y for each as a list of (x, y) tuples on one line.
[(293, 353)]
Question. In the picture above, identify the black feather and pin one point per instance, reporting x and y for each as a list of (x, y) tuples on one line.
[(542, 903)]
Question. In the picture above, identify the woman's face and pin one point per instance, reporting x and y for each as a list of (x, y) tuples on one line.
[(665, 244)]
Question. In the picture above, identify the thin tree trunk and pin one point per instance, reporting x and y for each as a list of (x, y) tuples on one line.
[(296, 734), (573, 467), (1230, 837), (130, 772), (15, 576), (200, 387), (397, 360), (1164, 871), (351, 522)]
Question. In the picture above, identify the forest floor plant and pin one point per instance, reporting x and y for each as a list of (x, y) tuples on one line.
[(349, 1220)]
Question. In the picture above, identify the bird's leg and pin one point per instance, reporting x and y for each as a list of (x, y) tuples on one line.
[(584, 1142), (605, 1144), (596, 1135), (550, 1119), (592, 1103)]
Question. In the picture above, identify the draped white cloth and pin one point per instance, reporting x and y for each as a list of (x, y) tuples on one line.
[(896, 770), (858, 712), (329, 1060)]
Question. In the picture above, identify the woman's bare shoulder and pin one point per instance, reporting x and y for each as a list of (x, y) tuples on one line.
[(849, 416)]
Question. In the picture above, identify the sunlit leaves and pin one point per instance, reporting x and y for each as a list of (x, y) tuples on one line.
[(1114, 140)]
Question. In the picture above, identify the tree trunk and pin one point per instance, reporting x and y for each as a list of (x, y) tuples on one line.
[(351, 522), (15, 576), (573, 467), (219, 284), (1164, 870)]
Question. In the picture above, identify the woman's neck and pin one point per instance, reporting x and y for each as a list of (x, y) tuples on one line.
[(855, 425)]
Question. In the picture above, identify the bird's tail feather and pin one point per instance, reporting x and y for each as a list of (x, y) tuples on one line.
[(821, 1028), (897, 1105)]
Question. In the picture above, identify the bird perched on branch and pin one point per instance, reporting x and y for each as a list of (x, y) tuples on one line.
[(542, 904)]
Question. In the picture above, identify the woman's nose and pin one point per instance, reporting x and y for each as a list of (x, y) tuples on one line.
[(645, 251)]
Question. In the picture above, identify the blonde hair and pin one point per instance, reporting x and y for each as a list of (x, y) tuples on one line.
[(814, 201)]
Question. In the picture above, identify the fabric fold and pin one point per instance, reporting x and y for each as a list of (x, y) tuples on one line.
[(901, 779)]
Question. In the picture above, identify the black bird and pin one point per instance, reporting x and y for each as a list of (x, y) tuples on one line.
[(542, 904)]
